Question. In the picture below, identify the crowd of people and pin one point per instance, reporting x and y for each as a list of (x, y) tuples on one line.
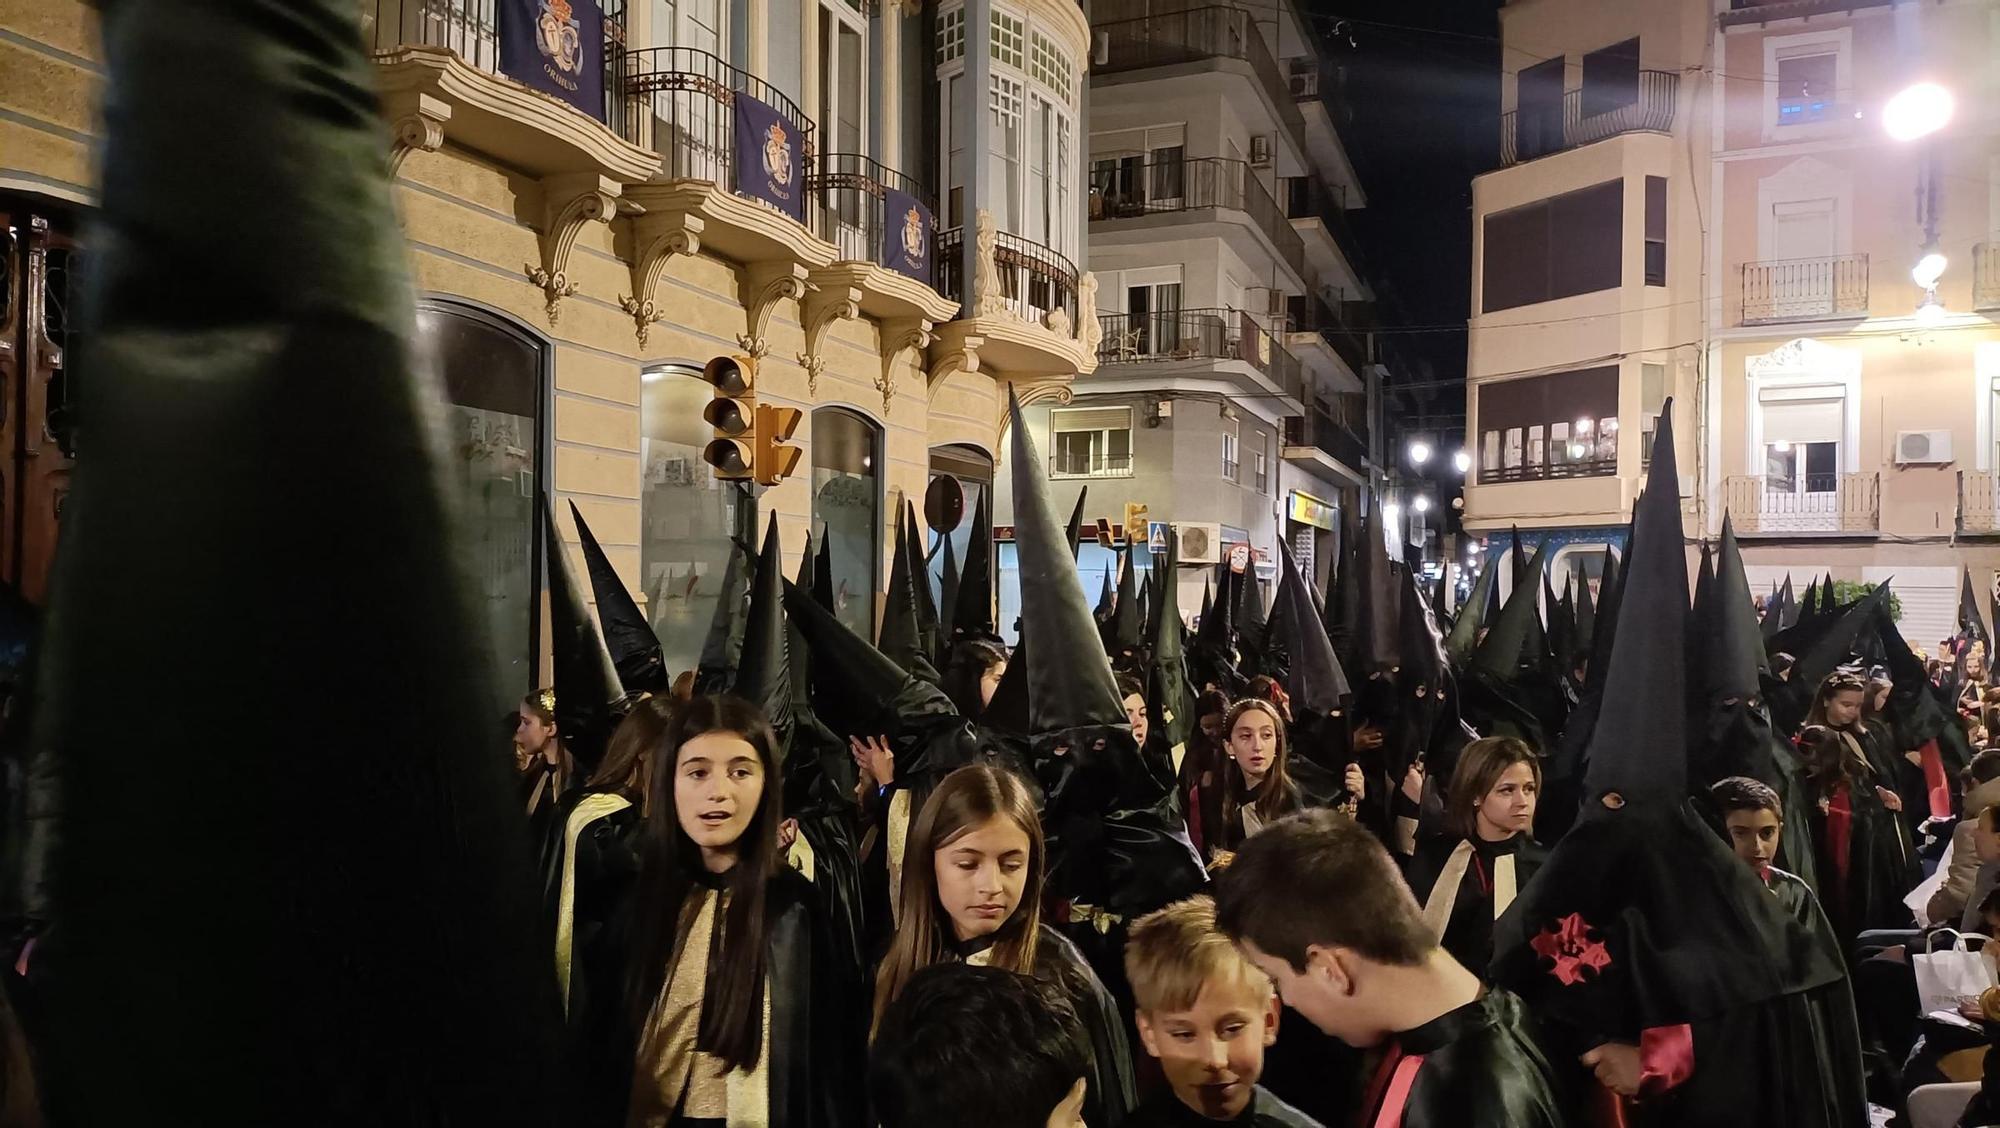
[(1629, 853)]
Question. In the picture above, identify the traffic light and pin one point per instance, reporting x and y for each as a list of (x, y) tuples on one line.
[(732, 412), (775, 458)]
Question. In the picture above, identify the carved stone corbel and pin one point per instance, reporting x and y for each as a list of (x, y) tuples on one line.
[(1036, 391), (818, 311), (964, 358), (568, 202), (421, 128), (760, 286), (658, 238), (899, 335)]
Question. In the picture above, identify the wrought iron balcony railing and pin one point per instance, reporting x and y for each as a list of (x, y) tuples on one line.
[(1536, 131), (1137, 188), (1805, 503), (681, 103), (1034, 280), (1199, 33), (1199, 334), (1326, 430), (1986, 274), (1805, 289), (850, 194), (1089, 464), (471, 28), (1308, 197), (1313, 315)]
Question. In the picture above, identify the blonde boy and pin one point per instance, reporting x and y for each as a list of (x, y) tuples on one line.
[(1207, 1014)]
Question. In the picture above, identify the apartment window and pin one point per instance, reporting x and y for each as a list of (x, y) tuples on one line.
[(1006, 99), (1554, 248), (1008, 37), (1263, 464), (843, 80), (954, 153), (1806, 87), (1652, 397), (1538, 113), (1091, 442), (950, 36), (1656, 231), (1231, 456), (1049, 66), (1561, 425), (1801, 427), (1611, 78)]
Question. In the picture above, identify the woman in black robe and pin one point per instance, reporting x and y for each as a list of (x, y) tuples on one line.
[(735, 1007), (1468, 876), (1860, 828), (972, 891)]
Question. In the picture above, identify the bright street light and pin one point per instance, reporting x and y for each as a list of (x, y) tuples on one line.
[(1917, 111), (1420, 451), (1930, 311), (1462, 462), (1422, 504), (1930, 267)]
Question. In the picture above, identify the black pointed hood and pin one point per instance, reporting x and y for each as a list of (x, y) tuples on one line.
[(1313, 676), (1344, 601), (1733, 644), (1773, 616), (822, 575), (723, 645), (586, 681), (899, 637), (948, 576), (635, 649), (1207, 602), (1252, 621), (1970, 622), (1379, 612), (1506, 648), (1639, 746), (1128, 624), (763, 671), (973, 615), (929, 631), (1169, 696), (1472, 616), (1107, 598), (1809, 602), (1788, 604), (1704, 587), (1517, 557), (1075, 528), (1586, 617)]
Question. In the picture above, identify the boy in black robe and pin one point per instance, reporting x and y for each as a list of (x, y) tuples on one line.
[(966, 1045), (1207, 1015), (1316, 903)]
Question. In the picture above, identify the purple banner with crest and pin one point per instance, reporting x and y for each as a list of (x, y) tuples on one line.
[(557, 47), (770, 164), (906, 235)]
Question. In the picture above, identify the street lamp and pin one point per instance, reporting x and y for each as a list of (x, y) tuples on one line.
[(1419, 451), (1462, 462), (1930, 266), (1930, 311), (1422, 504), (1917, 111)]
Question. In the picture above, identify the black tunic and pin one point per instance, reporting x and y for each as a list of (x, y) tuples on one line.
[(1481, 1068), (1469, 934), (1165, 1110)]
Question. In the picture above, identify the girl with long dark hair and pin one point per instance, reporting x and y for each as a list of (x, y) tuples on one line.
[(1259, 786), (1858, 828), (972, 891), (734, 1010), (1466, 877)]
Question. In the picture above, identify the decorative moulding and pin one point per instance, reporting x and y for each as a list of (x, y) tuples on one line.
[(821, 307), (422, 128), (656, 238), (962, 355), (568, 202), (761, 286), (899, 336)]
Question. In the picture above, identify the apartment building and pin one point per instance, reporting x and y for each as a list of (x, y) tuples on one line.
[(1701, 199), (881, 202), (1230, 396)]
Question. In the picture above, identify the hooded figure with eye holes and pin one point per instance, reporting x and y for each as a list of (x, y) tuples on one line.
[(1652, 957)]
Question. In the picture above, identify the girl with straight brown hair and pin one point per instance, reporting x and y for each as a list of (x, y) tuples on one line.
[(972, 891), (1467, 876)]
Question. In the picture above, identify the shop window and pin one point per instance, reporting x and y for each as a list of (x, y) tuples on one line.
[(687, 516), (847, 510)]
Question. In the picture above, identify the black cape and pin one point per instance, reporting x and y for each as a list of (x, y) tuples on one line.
[(1164, 1110), (1482, 1068), (1468, 936)]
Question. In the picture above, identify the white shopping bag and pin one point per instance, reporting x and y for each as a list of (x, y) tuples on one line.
[(1918, 900), (1952, 975)]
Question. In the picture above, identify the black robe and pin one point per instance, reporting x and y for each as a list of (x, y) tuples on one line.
[(1165, 1110), (1866, 889), (818, 1032), (1481, 1068), (607, 859), (1468, 936), (1824, 1078)]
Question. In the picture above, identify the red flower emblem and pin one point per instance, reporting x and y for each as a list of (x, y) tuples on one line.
[(1569, 945)]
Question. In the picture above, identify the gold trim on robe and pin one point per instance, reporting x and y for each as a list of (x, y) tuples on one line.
[(1443, 896), (672, 1075), (899, 833), (588, 810)]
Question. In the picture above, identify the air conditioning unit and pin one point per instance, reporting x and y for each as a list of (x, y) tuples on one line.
[(1260, 150), (1304, 84), (1914, 447), (1199, 543), (1277, 303)]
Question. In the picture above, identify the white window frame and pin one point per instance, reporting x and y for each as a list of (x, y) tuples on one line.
[(1029, 69), (1100, 448), (829, 76), (1232, 452), (1804, 363), (1838, 42), (1986, 402), (1803, 181)]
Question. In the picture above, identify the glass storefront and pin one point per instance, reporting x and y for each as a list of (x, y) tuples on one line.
[(847, 510), (494, 377), (973, 468), (687, 516)]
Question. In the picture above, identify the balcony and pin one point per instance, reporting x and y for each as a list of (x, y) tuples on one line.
[(1744, 12), (848, 202), (1196, 336), (1333, 429), (1084, 463), (1592, 467), (1537, 131), (1822, 504), (1320, 217), (1023, 321), (1986, 274), (1314, 323), (1190, 187), (1978, 501), (1198, 35), (1805, 289)]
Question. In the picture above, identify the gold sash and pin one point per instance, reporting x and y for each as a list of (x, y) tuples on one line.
[(672, 1074), (1444, 895), (588, 810)]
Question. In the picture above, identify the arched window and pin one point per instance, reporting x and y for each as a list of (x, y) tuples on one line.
[(495, 379), (847, 510), (687, 516)]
